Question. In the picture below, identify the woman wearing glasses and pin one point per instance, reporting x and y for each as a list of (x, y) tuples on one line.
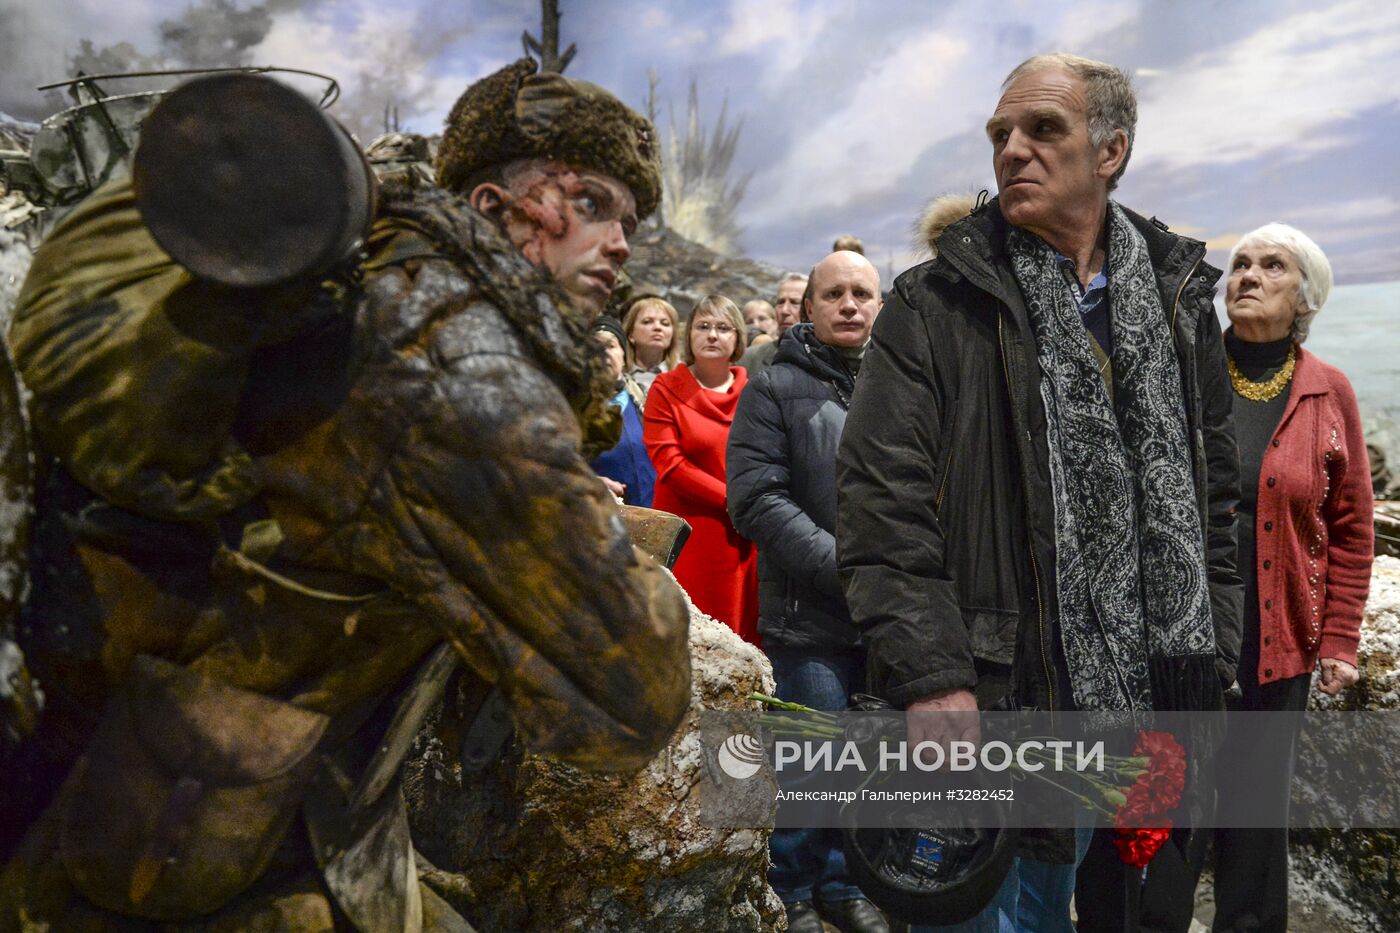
[(686, 428)]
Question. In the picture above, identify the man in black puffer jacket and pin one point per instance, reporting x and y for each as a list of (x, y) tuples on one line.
[(781, 466)]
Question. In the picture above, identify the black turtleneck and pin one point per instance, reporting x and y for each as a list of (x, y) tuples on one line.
[(1258, 361), (1255, 423)]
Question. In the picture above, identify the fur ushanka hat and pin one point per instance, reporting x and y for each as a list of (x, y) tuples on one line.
[(517, 114)]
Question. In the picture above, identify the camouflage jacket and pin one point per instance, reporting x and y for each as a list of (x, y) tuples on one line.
[(420, 479)]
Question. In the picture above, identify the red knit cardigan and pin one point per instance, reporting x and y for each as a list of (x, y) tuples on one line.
[(1313, 528)]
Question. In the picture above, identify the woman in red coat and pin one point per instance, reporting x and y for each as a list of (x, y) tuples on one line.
[(686, 429)]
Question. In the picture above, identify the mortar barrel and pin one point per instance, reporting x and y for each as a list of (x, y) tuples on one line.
[(246, 182)]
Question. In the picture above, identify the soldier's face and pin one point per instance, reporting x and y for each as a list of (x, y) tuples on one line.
[(575, 223)]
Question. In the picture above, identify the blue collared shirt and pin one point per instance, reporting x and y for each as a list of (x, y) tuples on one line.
[(1093, 301)]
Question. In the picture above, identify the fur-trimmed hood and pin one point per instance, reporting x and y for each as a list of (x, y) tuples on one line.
[(941, 213)]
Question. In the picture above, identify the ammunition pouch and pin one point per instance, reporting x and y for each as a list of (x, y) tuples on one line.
[(185, 793)]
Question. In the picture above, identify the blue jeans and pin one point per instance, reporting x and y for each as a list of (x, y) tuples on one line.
[(809, 862), (1034, 898)]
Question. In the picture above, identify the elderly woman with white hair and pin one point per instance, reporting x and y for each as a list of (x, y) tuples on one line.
[(1306, 545)]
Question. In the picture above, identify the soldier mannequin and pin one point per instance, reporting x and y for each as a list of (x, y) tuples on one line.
[(226, 695)]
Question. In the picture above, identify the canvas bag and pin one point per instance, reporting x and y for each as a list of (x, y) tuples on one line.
[(184, 794)]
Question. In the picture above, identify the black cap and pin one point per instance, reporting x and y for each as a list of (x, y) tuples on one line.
[(609, 324)]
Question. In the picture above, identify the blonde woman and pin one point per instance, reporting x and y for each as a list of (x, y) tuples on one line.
[(652, 328), (686, 428)]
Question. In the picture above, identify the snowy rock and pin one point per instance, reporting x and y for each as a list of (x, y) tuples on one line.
[(1378, 654), (683, 272), (18, 221), (15, 134), (1358, 868), (534, 845)]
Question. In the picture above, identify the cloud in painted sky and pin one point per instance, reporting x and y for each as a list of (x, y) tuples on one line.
[(1361, 210), (36, 37), (1288, 89), (1254, 112), (382, 55), (755, 27), (910, 80)]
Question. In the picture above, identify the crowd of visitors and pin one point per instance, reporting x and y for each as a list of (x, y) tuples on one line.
[(1061, 486), (1031, 473)]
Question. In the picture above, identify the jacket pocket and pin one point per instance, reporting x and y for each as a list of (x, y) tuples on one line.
[(184, 794), (992, 633)]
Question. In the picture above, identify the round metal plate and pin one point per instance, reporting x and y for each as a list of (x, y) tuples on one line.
[(243, 181)]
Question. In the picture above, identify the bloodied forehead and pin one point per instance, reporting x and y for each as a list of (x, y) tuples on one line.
[(548, 183)]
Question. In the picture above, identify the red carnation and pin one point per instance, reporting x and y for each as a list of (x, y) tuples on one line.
[(1138, 846), (1139, 810), (1166, 769), (1142, 826)]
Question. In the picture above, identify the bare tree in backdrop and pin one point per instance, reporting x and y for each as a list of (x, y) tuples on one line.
[(546, 48)]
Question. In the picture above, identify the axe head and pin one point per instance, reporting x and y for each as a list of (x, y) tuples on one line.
[(659, 534)]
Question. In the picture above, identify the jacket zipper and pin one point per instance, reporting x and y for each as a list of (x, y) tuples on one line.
[(943, 483), (1176, 305), (841, 396), (1197, 446), (1030, 548), (1040, 627)]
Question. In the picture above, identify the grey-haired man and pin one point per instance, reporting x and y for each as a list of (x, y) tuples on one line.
[(787, 305), (1038, 474)]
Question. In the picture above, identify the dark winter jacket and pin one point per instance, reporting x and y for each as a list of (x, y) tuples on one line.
[(947, 536), (781, 467)]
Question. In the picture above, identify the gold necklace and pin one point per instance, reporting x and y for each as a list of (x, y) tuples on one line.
[(1269, 388)]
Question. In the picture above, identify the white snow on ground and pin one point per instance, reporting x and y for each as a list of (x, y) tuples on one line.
[(1380, 633), (17, 220), (1316, 903)]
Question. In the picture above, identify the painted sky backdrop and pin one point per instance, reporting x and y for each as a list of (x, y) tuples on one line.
[(856, 114)]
